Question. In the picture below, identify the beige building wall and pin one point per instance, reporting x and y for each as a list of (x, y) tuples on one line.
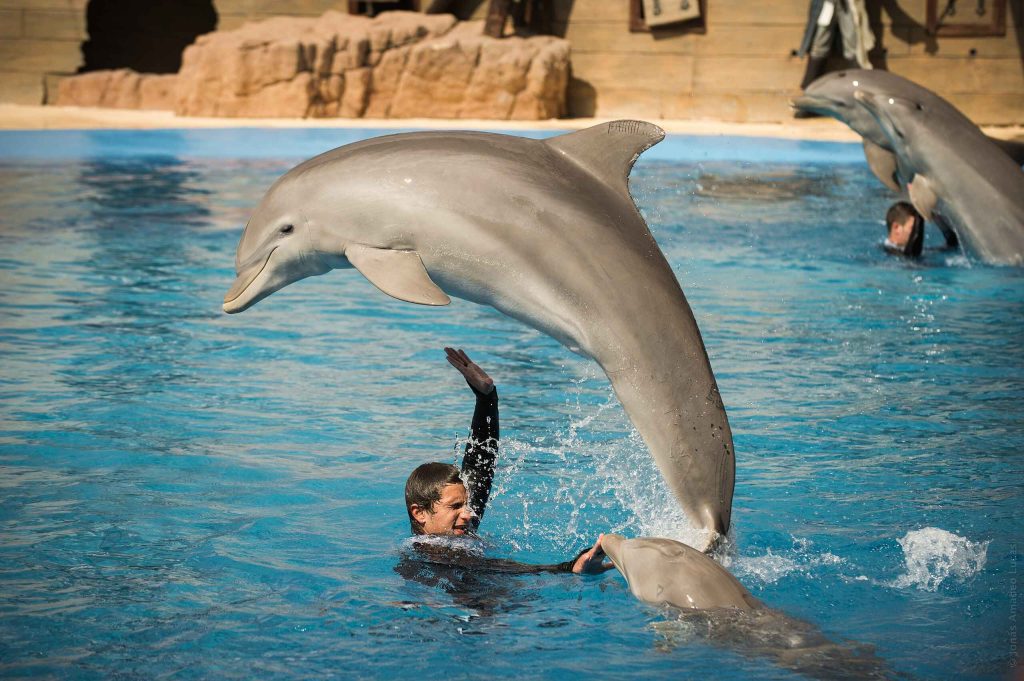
[(742, 69)]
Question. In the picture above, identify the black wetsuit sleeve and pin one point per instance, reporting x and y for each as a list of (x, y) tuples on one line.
[(481, 451), (446, 557)]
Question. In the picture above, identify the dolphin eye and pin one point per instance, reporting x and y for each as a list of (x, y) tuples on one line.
[(919, 107), (287, 229)]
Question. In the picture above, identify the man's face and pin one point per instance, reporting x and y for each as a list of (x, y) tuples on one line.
[(899, 232), (449, 515)]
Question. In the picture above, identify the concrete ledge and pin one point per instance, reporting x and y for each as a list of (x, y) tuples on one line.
[(19, 117)]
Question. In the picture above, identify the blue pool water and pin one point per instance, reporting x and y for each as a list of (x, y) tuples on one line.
[(192, 495)]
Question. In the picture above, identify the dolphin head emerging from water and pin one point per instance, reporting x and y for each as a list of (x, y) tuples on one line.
[(833, 95), (898, 118), (544, 231), (666, 572), (956, 175)]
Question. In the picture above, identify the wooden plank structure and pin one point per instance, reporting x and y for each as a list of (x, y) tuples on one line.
[(989, 19), (738, 64)]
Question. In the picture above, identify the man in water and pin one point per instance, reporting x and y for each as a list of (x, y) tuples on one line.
[(439, 502), (906, 230)]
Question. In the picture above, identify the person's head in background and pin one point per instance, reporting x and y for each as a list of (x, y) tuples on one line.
[(905, 230)]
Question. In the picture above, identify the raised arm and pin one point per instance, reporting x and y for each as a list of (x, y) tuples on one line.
[(482, 448)]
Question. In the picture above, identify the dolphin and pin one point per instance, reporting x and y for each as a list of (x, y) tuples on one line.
[(712, 603), (667, 572), (833, 95), (544, 231), (957, 175)]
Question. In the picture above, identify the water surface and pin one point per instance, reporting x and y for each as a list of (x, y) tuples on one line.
[(188, 494)]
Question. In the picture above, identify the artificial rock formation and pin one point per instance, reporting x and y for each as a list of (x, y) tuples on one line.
[(397, 65), (119, 89)]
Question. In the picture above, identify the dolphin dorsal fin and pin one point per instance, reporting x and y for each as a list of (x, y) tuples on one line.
[(609, 150)]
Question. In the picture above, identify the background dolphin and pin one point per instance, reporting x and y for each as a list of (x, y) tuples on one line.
[(544, 231), (710, 602), (957, 175), (833, 95)]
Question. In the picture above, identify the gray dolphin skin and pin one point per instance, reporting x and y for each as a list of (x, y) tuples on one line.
[(544, 231), (666, 572), (711, 603), (957, 175), (833, 95)]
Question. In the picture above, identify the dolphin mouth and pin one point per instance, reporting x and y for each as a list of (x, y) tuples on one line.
[(246, 276), (864, 97), (871, 103), (612, 544), (817, 104)]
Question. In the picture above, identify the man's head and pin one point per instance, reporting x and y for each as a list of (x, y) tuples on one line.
[(906, 228), (435, 499)]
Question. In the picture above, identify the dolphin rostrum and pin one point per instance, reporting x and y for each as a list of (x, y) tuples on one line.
[(544, 231), (957, 175)]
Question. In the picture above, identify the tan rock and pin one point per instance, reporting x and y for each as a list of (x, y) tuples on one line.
[(384, 79), (499, 78), (158, 91), (546, 83), (117, 89), (356, 93), (399, 64), (435, 79)]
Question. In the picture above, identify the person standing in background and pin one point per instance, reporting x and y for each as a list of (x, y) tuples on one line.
[(848, 18)]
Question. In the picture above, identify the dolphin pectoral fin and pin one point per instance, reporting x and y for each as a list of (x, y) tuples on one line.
[(882, 163), (923, 196), (609, 150), (400, 274)]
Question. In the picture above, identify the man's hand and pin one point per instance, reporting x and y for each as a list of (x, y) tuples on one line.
[(592, 561), (473, 374)]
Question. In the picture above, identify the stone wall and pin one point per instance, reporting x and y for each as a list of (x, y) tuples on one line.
[(37, 38), (742, 69)]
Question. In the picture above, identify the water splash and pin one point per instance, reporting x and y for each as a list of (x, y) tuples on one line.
[(934, 555), (770, 567), (629, 473)]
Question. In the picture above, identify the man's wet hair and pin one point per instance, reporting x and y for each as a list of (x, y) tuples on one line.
[(898, 212), (423, 488)]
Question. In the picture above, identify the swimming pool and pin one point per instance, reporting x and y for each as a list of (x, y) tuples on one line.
[(194, 495)]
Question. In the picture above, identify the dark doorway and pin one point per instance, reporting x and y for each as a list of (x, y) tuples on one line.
[(147, 37), (372, 8)]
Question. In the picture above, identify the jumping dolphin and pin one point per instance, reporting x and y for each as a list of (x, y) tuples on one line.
[(544, 231), (833, 95), (957, 175), (709, 601)]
